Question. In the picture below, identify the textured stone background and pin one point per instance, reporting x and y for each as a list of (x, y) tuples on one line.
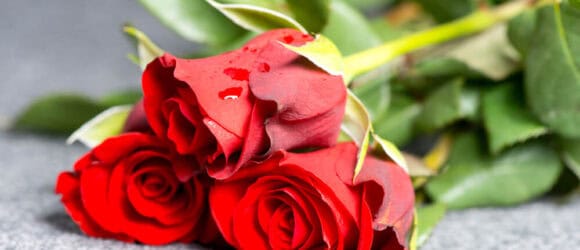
[(77, 46)]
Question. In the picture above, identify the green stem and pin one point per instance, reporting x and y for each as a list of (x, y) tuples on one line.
[(371, 59), (143, 39)]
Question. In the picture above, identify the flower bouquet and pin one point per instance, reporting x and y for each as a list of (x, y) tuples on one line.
[(281, 130)]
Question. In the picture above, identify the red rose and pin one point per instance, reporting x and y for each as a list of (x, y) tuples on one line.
[(133, 188), (309, 201), (230, 108)]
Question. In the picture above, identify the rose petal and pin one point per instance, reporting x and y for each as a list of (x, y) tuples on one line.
[(207, 79), (181, 132), (68, 186), (253, 144), (137, 121), (93, 182), (324, 164), (278, 234), (168, 212), (223, 200), (110, 199), (238, 217), (389, 193), (310, 102), (123, 146), (158, 75), (228, 142)]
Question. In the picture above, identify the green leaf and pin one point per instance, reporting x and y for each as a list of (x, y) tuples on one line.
[(147, 50), (439, 153), (429, 72), (196, 20), (106, 124), (414, 231), (444, 11), (435, 157), (256, 18), (349, 29), (428, 217), (442, 67), (507, 119), (233, 45), (121, 98), (552, 74), (397, 123), (575, 3), (448, 104), (312, 14), (488, 53), (57, 114), (387, 31), (474, 178), (469, 104), (357, 125), (521, 29), (390, 150), (323, 53), (269, 4), (375, 95), (417, 167), (368, 4), (571, 155)]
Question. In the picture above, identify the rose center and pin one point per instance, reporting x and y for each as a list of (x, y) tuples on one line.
[(153, 185)]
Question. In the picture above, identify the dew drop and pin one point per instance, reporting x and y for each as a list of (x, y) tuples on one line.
[(230, 93), (211, 124), (288, 39), (238, 74), (263, 67)]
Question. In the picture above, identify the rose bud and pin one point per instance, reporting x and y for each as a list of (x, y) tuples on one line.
[(133, 188), (309, 201), (233, 107)]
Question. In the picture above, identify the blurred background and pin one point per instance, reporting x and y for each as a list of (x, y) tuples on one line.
[(76, 46)]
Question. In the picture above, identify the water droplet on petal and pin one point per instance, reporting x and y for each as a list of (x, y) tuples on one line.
[(211, 124), (230, 93), (288, 39), (237, 74), (263, 67)]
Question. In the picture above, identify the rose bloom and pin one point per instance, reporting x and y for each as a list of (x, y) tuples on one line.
[(134, 188), (230, 108), (310, 201)]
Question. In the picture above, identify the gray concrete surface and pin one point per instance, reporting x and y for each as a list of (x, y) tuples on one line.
[(60, 45)]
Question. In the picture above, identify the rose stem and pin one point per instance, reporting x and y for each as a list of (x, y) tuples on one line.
[(367, 60)]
